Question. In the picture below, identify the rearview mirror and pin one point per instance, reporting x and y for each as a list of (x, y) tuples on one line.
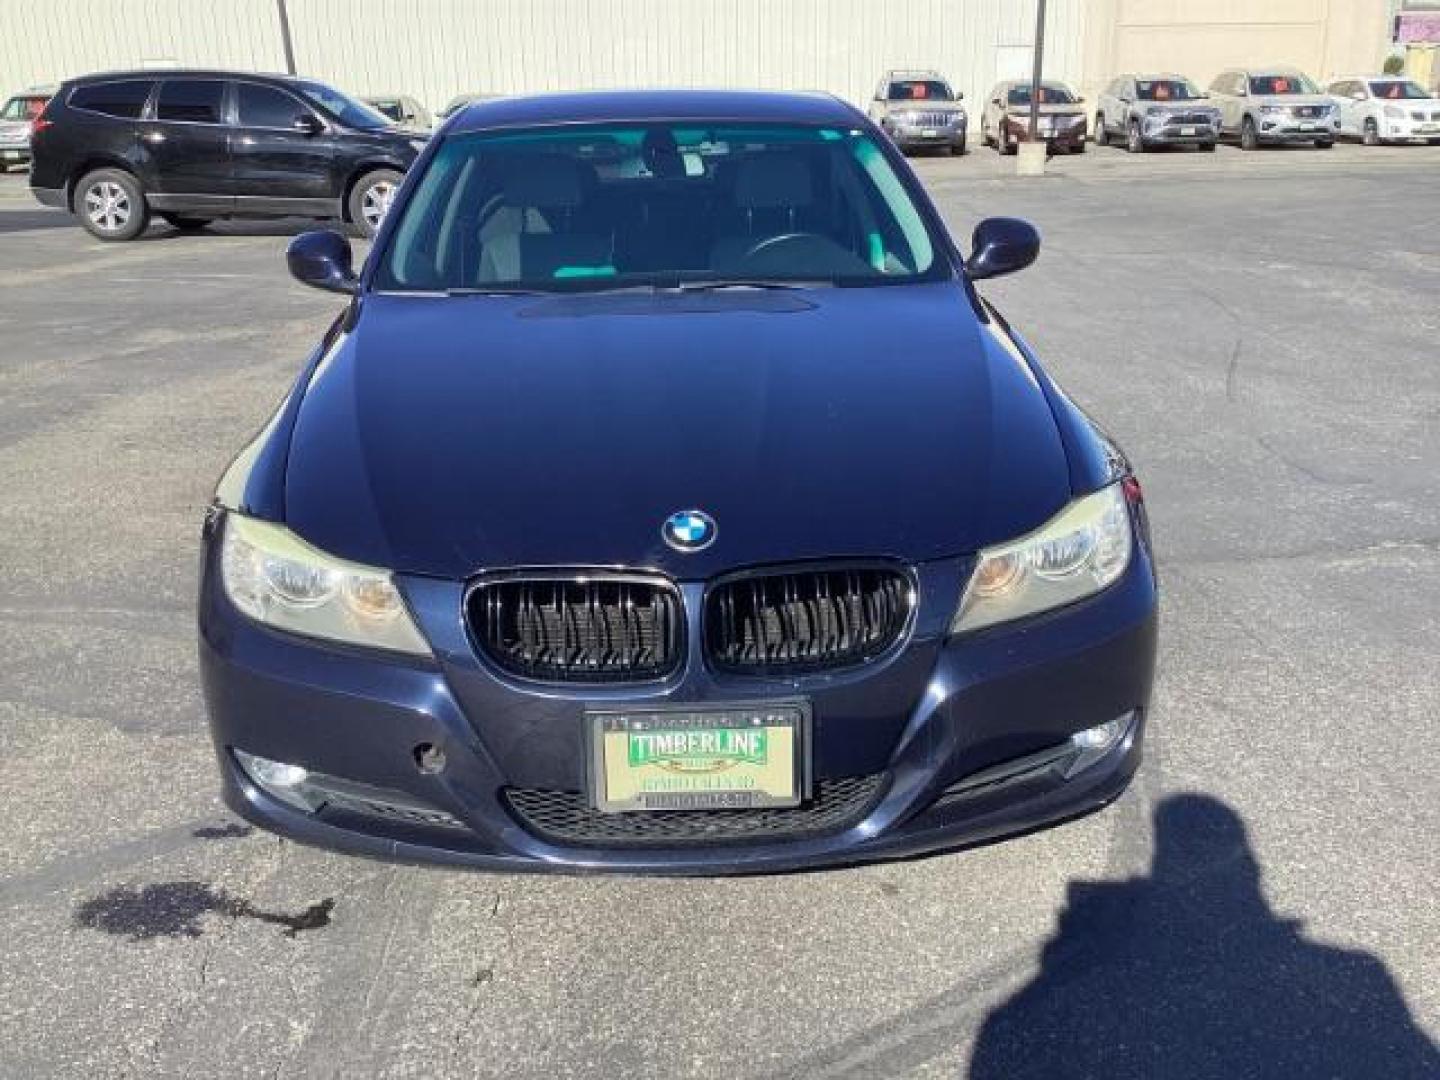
[(1001, 246), (307, 124), (322, 260)]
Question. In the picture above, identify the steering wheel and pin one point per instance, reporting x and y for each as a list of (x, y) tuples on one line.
[(772, 242)]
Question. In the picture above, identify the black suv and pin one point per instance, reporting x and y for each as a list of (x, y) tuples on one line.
[(193, 146)]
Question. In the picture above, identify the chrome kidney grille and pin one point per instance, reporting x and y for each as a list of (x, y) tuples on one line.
[(805, 620), (579, 628)]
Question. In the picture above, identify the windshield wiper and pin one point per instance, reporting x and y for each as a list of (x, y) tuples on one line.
[(481, 290), (740, 283)]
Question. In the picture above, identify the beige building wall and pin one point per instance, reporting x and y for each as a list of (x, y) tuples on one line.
[(438, 48), (1201, 38)]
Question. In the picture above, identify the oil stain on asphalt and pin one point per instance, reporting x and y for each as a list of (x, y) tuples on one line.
[(174, 909)]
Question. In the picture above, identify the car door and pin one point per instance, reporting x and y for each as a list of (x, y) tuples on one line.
[(186, 139), (284, 153)]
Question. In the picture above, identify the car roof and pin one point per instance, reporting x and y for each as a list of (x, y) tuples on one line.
[(621, 106), (172, 73), (1152, 75)]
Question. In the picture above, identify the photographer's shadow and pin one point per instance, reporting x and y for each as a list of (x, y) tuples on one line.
[(1188, 973)]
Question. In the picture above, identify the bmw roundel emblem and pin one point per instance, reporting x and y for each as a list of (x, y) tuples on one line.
[(689, 530)]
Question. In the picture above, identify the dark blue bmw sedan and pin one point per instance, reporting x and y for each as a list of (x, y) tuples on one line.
[(667, 499)]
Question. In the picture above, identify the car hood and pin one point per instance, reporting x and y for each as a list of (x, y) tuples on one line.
[(1023, 111), (1291, 99), (924, 105), (444, 436)]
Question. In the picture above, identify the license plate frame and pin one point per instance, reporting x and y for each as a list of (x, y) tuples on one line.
[(1189, 129), (619, 787), (929, 133)]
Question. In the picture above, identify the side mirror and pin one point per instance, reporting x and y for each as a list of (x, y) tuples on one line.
[(1001, 246), (322, 259), (994, 101), (307, 124), (959, 95), (1080, 100)]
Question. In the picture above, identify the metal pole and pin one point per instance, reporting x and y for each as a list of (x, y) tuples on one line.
[(290, 46), (1034, 130)]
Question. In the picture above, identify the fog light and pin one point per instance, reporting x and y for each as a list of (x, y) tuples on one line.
[(284, 781), (1094, 743)]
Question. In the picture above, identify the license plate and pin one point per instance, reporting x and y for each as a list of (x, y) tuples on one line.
[(701, 758), (928, 133), (1308, 127), (1187, 131)]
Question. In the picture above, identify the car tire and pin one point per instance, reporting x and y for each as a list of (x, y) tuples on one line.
[(1324, 144), (1208, 147), (111, 205), (1134, 141), (1432, 142), (1079, 147), (1370, 133), (370, 198), (1008, 147), (957, 148), (1249, 137), (1101, 139), (186, 223)]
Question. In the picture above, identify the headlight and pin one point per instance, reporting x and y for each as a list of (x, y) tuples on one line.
[(1077, 553), (1394, 112), (277, 579)]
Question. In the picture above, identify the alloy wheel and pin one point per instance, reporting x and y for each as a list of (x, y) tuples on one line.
[(1133, 140), (1371, 136), (107, 206), (376, 203)]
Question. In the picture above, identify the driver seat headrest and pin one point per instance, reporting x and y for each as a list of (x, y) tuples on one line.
[(774, 180)]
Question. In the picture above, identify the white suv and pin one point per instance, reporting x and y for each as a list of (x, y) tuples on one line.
[(1385, 108)]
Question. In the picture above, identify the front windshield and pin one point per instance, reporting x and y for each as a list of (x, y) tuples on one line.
[(1165, 90), (656, 204), (1398, 90), (919, 90), (1050, 94), (344, 108), (1282, 84)]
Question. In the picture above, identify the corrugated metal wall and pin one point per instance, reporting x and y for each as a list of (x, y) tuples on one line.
[(437, 48)]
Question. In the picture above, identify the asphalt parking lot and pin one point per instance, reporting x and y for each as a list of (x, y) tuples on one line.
[(1259, 330)]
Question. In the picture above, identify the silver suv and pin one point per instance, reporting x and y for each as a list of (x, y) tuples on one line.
[(1274, 105), (1156, 110), (918, 109)]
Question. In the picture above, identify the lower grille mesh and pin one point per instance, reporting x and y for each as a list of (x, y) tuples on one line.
[(566, 817)]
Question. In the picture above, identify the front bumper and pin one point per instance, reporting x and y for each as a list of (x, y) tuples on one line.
[(1409, 130), (1285, 129), (962, 735), (1179, 134), (915, 136), (14, 153), (1070, 137)]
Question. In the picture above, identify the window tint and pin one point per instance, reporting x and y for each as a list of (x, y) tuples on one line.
[(264, 106), (124, 99), (194, 100), (1166, 90), (919, 90)]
